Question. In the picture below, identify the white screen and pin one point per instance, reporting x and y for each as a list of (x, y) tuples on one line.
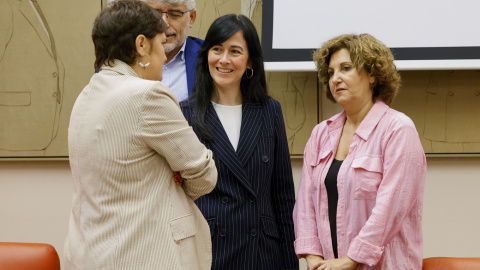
[(306, 24)]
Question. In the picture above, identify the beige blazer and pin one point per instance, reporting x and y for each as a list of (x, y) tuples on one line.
[(126, 138)]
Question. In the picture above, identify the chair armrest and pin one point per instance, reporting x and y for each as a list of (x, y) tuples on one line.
[(23, 256), (450, 263)]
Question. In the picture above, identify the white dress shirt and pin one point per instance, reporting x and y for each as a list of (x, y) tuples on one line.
[(175, 75)]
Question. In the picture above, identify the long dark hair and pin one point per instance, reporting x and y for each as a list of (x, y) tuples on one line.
[(116, 28), (253, 89)]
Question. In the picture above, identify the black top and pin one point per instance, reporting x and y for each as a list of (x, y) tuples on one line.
[(332, 195)]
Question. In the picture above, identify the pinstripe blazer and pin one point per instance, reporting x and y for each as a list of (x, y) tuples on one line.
[(126, 137), (250, 209)]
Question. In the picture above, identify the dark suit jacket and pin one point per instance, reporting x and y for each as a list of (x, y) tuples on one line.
[(191, 50), (250, 209)]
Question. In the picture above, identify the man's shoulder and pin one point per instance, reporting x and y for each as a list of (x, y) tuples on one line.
[(193, 41), (192, 46)]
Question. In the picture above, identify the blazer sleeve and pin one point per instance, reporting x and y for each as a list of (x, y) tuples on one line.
[(283, 190), (164, 128)]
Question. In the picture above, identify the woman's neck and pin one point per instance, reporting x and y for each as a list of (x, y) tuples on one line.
[(229, 97), (355, 117), (137, 70)]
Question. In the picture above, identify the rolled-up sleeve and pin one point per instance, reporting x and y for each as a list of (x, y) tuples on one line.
[(399, 191), (307, 241)]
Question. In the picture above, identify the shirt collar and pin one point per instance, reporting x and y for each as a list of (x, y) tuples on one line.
[(120, 67), (371, 120), (368, 124), (180, 53)]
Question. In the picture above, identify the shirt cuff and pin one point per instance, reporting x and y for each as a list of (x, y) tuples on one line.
[(363, 252), (310, 246)]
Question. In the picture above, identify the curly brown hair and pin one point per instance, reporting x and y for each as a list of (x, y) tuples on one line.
[(367, 53)]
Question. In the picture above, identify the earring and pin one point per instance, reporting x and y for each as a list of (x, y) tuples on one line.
[(251, 73), (144, 65)]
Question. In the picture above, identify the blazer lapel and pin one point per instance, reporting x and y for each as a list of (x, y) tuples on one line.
[(252, 119), (191, 52), (222, 147), (190, 59)]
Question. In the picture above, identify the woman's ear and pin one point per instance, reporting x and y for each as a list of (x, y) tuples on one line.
[(371, 79), (249, 64), (141, 45)]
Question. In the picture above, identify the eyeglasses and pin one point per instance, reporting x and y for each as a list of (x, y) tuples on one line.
[(173, 14)]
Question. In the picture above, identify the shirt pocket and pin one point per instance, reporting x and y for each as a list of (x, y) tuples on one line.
[(368, 174), (321, 158)]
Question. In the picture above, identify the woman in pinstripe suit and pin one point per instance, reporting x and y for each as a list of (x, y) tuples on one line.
[(126, 138), (250, 209)]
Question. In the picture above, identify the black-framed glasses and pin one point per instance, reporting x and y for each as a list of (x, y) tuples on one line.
[(173, 14)]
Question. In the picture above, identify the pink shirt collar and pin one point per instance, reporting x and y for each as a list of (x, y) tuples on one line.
[(368, 124)]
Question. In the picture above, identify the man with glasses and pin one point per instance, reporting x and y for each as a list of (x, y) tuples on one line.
[(181, 49)]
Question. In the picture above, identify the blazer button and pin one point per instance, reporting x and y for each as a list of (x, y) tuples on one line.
[(223, 233), (253, 232), (251, 199), (265, 158), (224, 199)]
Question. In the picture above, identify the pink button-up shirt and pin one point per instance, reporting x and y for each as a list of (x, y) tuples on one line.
[(380, 192)]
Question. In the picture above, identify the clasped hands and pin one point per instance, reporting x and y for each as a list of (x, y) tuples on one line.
[(318, 263)]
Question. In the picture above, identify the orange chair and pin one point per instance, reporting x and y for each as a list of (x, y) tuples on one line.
[(449, 263), (28, 256)]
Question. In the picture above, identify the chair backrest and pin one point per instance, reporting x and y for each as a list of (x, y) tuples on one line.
[(450, 263), (28, 256)]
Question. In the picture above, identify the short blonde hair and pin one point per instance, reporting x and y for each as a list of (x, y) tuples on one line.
[(367, 53)]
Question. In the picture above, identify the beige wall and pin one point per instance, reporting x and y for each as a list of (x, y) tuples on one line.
[(35, 200)]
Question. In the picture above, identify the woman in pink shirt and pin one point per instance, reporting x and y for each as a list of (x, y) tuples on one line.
[(360, 199)]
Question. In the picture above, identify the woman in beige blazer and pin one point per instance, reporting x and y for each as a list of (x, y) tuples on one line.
[(127, 137)]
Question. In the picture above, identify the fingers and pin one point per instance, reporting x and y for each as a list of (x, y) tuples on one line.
[(323, 267), (313, 261), (328, 265), (316, 266), (320, 265), (343, 263)]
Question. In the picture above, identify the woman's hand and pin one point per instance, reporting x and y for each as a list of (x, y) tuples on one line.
[(344, 263), (313, 261)]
